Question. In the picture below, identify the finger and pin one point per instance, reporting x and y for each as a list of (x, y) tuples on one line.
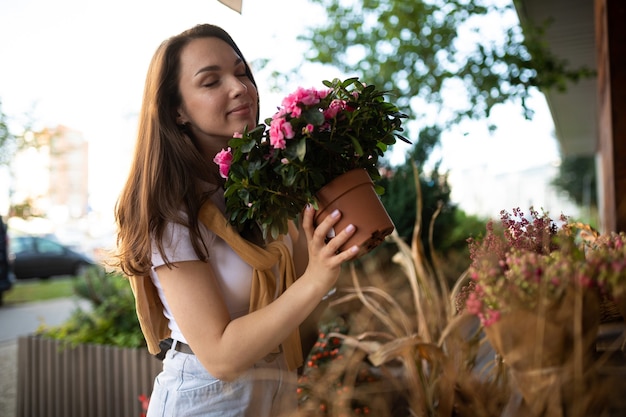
[(349, 253), (336, 242), (324, 230), (307, 221)]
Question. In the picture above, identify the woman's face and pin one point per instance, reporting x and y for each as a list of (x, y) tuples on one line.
[(218, 98)]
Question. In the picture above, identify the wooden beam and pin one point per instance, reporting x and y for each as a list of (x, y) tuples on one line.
[(610, 16)]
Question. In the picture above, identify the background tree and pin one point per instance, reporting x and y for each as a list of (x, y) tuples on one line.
[(401, 195), (424, 50), (10, 144), (577, 178), (5, 139)]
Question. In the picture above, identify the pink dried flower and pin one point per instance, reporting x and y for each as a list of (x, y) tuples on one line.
[(529, 259), (473, 304)]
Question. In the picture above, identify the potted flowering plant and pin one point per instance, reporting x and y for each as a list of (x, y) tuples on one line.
[(536, 285), (508, 265), (274, 169), (531, 266)]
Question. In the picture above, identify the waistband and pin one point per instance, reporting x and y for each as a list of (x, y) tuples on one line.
[(182, 347), (185, 348)]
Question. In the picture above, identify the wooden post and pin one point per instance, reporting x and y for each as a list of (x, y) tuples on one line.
[(610, 16)]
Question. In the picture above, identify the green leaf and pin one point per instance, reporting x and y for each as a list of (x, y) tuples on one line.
[(301, 150), (357, 146), (313, 116)]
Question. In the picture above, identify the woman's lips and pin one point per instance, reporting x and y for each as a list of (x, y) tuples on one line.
[(244, 109)]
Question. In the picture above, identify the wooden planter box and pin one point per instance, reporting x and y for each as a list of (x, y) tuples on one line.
[(87, 380)]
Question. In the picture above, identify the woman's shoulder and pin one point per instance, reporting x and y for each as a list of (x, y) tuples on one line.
[(177, 242)]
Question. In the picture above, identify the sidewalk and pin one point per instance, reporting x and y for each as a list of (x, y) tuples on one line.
[(23, 319)]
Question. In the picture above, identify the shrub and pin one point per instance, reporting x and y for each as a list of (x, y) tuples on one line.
[(111, 320)]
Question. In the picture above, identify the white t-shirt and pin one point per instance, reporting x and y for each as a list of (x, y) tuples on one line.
[(233, 274)]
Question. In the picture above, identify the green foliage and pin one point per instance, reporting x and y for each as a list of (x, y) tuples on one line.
[(40, 290), (11, 142), (577, 178), (400, 201), (466, 226), (401, 195), (277, 168), (420, 49), (5, 139), (111, 320)]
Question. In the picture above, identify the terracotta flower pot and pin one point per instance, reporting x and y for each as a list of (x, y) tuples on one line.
[(354, 195)]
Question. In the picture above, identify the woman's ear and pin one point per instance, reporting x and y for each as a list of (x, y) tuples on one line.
[(181, 120)]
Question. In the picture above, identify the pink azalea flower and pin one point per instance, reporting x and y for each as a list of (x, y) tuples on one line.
[(280, 129), (335, 107), (223, 159), (296, 112), (288, 130), (304, 96), (321, 94)]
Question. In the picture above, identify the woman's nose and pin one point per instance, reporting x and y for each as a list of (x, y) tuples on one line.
[(239, 86)]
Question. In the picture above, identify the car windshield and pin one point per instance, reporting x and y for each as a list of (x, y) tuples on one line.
[(20, 244), (48, 246)]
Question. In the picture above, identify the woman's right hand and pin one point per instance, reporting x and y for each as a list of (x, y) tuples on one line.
[(325, 259)]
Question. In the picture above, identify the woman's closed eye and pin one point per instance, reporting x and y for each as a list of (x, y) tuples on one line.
[(240, 70), (215, 82)]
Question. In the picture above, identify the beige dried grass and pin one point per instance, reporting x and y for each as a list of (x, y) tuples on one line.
[(400, 329)]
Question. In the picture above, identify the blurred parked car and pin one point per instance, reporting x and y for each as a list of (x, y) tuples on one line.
[(39, 257), (6, 276)]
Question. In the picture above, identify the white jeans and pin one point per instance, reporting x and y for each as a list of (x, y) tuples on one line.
[(184, 388)]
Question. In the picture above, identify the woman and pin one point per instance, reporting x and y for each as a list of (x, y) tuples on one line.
[(197, 281)]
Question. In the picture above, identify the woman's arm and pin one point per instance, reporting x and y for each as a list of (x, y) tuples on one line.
[(226, 348), (300, 248)]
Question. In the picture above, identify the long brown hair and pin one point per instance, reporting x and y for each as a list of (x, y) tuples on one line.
[(168, 173)]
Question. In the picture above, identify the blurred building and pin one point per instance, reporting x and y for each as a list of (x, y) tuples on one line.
[(50, 175)]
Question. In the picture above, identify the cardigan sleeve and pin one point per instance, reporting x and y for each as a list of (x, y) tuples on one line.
[(154, 324)]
